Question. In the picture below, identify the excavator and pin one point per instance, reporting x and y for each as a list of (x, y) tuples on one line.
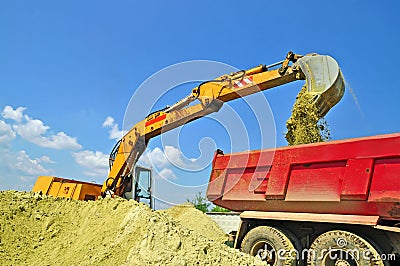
[(324, 81)]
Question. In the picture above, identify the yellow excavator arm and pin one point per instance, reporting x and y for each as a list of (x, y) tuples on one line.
[(323, 79)]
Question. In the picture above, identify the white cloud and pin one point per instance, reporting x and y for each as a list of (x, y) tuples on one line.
[(162, 162), (6, 133), (114, 132), (95, 162), (45, 159), (10, 113), (34, 130), (26, 165), (166, 173), (31, 128), (59, 141), (109, 122), (19, 171), (170, 156), (155, 157)]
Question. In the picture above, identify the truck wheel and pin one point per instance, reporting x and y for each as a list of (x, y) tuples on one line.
[(271, 245), (341, 248)]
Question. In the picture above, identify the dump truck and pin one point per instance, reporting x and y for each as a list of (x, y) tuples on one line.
[(324, 82), (330, 203)]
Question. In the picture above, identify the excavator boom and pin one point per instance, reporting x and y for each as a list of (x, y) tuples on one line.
[(323, 79)]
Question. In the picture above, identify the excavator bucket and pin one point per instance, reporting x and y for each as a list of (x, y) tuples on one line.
[(324, 81)]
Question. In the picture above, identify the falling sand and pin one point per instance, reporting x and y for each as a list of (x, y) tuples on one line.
[(305, 126)]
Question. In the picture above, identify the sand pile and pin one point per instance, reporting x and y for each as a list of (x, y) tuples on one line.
[(41, 230), (202, 224), (304, 125)]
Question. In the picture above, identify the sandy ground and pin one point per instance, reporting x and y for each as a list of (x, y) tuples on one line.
[(41, 230)]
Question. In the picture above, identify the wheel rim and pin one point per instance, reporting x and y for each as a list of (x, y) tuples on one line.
[(264, 250), (339, 257)]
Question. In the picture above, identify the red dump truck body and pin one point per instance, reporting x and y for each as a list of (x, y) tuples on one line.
[(355, 176)]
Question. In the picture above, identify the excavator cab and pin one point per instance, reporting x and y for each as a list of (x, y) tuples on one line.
[(324, 80), (142, 186), (139, 186)]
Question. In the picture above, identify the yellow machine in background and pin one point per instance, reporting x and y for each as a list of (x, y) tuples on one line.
[(67, 188), (323, 78), (140, 189)]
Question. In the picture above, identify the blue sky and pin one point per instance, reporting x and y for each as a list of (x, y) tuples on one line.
[(69, 65)]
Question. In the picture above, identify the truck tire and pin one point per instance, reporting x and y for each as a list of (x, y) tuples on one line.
[(271, 245), (342, 248)]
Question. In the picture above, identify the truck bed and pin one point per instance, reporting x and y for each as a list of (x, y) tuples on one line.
[(354, 176)]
